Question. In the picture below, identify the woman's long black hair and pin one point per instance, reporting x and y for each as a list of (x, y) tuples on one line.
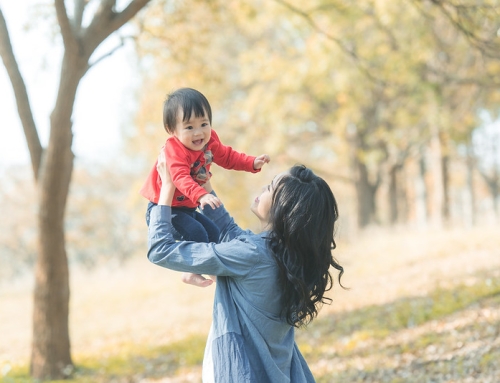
[(302, 218)]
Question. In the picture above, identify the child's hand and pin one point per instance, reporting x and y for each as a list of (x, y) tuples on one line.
[(209, 199), (259, 161)]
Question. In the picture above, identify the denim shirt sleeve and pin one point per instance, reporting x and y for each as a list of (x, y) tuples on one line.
[(234, 258), (228, 228)]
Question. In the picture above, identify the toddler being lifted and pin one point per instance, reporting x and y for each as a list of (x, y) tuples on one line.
[(192, 146)]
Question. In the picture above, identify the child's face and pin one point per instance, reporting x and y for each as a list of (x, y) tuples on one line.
[(193, 134)]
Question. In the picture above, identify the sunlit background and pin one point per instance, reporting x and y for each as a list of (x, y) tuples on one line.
[(395, 104)]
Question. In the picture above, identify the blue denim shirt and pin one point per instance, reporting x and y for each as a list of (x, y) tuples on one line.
[(248, 341)]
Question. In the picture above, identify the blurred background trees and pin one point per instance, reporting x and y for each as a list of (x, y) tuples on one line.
[(396, 104), (382, 98)]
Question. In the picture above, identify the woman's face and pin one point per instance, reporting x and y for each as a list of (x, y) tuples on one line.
[(261, 206)]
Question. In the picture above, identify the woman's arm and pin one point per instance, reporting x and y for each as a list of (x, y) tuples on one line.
[(167, 188), (225, 223), (233, 258)]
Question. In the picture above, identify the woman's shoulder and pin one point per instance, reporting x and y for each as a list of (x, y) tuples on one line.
[(256, 245), (251, 237)]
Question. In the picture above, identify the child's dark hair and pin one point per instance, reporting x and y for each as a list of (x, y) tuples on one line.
[(302, 217), (189, 101)]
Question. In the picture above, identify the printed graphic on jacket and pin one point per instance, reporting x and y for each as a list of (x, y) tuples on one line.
[(199, 170)]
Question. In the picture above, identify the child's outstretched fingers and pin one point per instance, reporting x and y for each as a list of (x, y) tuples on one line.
[(261, 160)]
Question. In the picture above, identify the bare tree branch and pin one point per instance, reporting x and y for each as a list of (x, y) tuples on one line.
[(101, 17), (122, 43), (350, 52), (78, 16), (388, 32), (129, 12), (67, 31), (21, 95), (106, 21), (488, 47), (448, 77)]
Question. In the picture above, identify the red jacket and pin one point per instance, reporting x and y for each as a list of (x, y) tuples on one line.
[(189, 169)]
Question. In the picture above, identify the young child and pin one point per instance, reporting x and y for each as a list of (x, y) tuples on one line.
[(191, 148)]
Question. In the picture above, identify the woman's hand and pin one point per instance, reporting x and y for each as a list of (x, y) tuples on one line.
[(161, 167), (167, 186)]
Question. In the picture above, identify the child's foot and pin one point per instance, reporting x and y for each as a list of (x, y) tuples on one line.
[(196, 280)]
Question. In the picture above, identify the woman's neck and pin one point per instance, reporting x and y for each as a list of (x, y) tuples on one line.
[(265, 226)]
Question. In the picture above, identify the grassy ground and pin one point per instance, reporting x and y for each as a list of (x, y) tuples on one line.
[(450, 335), (422, 307)]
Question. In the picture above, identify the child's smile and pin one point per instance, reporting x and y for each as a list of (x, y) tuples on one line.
[(198, 142)]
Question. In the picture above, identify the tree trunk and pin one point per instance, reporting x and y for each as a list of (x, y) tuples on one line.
[(445, 166), (470, 184), (437, 180), (494, 186), (365, 192), (393, 195), (493, 183), (51, 351), (496, 177), (50, 355), (404, 206), (422, 198)]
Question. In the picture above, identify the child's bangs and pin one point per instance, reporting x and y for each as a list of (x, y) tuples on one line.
[(191, 107)]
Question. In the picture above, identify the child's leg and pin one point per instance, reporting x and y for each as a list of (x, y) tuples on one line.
[(190, 230), (187, 226), (212, 230)]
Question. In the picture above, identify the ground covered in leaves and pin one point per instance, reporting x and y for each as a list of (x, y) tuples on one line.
[(448, 336), (421, 307)]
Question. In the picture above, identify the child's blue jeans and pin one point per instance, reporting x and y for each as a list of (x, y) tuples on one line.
[(190, 225)]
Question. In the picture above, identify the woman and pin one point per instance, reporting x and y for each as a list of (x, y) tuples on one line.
[(267, 283)]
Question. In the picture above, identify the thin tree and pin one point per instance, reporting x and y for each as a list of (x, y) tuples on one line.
[(52, 168)]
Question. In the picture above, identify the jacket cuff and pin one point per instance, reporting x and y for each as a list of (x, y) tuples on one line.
[(160, 213), (251, 169)]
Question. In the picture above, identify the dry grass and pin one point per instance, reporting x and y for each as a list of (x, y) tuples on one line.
[(116, 310), (111, 309), (381, 266)]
